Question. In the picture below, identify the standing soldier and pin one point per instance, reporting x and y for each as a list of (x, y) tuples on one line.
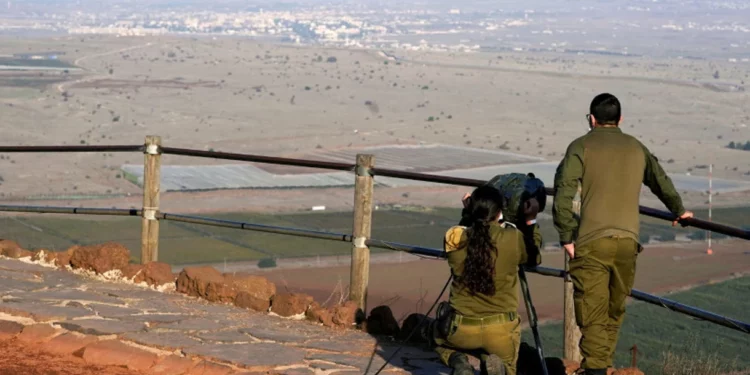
[(603, 244)]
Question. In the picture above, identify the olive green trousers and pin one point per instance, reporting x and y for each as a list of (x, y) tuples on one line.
[(603, 272), (502, 339)]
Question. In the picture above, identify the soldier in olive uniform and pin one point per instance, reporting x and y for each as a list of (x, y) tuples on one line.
[(484, 257), (603, 243)]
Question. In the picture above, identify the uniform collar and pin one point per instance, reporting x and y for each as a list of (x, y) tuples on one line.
[(613, 129)]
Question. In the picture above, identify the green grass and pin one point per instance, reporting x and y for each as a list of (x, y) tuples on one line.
[(188, 243), (35, 63), (657, 330)]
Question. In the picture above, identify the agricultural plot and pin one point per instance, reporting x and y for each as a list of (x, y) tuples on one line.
[(188, 243), (657, 331)]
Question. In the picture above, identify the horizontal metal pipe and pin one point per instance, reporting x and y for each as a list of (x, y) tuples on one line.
[(259, 159), (691, 311), (72, 210), (81, 148), (256, 227)]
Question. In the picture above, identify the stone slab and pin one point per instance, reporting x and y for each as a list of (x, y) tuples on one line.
[(18, 287), (109, 311), (72, 295), (276, 335), (46, 312), (195, 324), (230, 336), (155, 319), (372, 362), (101, 327), (260, 354), (164, 340)]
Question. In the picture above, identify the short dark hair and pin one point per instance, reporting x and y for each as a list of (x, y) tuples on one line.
[(606, 109)]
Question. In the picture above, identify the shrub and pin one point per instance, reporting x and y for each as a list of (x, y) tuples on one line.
[(665, 237), (267, 263)]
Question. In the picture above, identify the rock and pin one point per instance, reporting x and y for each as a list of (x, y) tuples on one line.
[(382, 322), (11, 249), (195, 281), (246, 300), (36, 333), (63, 258), (628, 371), (9, 329), (115, 353), (68, 343), (256, 286), (290, 304), (346, 315), (100, 258), (528, 362), (414, 322), (130, 271), (155, 274), (319, 314)]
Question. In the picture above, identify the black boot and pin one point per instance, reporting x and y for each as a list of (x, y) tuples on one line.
[(459, 362)]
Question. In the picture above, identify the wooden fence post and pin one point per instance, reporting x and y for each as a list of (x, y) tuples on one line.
[(360, 271), (151, 182), (572, 334)]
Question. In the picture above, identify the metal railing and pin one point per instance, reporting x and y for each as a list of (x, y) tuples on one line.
[(151, 215)]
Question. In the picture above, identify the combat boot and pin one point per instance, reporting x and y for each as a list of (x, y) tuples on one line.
[(459, 362), (493, 365)]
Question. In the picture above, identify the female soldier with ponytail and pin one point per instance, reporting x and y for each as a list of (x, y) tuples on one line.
[(484, 257)]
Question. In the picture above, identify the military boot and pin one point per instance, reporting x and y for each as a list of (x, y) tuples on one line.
[(459, 362), (493, 365)]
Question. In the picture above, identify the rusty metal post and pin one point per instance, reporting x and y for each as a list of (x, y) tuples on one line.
[(572, 334)]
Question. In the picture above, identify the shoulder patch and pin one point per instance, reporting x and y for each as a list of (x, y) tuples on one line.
[(455, 238)]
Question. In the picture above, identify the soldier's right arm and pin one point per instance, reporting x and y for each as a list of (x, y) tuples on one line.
[(569, 174), (661, 185)]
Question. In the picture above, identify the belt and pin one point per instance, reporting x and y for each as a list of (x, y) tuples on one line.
[(492, 319)]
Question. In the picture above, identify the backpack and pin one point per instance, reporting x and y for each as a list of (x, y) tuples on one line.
[(516, 188)]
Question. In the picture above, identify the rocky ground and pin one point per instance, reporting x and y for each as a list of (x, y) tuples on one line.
[(86, 311)]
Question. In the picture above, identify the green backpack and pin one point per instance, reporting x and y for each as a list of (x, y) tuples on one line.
[(516, 188)]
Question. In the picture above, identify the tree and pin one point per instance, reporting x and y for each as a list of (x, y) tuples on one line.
[(716, 75), (731, 145), (747, 146)]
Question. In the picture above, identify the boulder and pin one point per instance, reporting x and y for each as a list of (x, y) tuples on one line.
[(290, 304), (63, 258), (257, 286), (246, 300), (11, 249), (319, 314), (195, 281), (100, 258), (155, 274), (382, 322), (130, 271), (346, 315)]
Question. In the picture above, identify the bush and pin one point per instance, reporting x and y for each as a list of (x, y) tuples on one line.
[(332, 59), (267, 263)]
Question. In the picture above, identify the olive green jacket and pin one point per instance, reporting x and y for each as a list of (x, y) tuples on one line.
[(511, 252), (610, 167)]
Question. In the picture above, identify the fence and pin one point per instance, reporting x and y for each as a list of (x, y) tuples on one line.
[(365, 171)]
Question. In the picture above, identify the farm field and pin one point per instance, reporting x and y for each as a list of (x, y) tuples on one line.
[(657, 331), (190, 244)]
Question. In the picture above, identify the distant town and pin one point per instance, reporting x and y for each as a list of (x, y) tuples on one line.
[(405, 27)]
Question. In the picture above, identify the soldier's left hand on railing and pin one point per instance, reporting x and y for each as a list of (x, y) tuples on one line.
[(686, 215)]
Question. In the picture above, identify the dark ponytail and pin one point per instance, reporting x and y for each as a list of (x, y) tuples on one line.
[(483, 208)]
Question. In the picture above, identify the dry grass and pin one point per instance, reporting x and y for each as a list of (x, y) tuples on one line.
[(694, 361)]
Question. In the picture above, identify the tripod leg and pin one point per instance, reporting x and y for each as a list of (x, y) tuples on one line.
[(532, 318)]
